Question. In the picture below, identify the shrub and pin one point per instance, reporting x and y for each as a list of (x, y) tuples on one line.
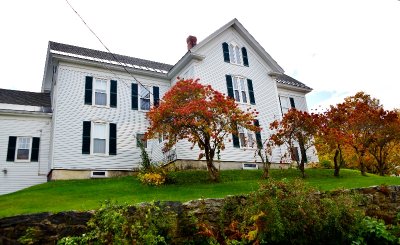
[(283, 212), (152, 178), (126, 224)]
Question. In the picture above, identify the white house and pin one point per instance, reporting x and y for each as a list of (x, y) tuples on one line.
[(92, 109)]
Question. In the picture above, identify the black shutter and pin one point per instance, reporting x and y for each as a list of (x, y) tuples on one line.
[(229, 86), (88, 90), (235, 140), (258, 135), (135, 102), (280, 103), (113, 93), (156, 96), (251, 91), (225, 49), (35, 149), (244, 55), (12, 143), (292, 105), (86, 137), (112, 147)]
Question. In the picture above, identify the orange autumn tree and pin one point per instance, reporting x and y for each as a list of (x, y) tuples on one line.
[(296, 126), (200, 114)]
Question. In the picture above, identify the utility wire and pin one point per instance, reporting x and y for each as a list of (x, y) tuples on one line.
[(98, 38)]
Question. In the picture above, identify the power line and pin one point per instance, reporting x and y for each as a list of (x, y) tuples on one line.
[(102, 43)]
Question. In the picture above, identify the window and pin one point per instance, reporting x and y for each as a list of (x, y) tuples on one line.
[(140, 139), (144, 98), (286, 103), (239, 89), (234, 54), (99, 138), (246, 138), (100, 92), (23, 149)]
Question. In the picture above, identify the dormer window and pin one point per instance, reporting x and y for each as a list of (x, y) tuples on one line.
[(234, 54)]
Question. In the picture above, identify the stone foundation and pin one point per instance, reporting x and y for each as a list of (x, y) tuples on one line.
[(222, 165), (64, 174)]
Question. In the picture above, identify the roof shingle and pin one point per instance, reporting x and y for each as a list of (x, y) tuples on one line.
[(285, 79), (107, 56), (17, 97)]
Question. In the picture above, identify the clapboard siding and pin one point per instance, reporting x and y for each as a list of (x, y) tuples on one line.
[(71, 112), (22, 175), (212, 70)]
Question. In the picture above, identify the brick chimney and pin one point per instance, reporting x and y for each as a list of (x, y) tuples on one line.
[(191, 42)]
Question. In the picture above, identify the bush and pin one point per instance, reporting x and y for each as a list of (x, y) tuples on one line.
[(283, 212), (126, 224), (152, 178)]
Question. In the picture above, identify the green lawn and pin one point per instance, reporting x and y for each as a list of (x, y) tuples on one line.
[(88, 194)]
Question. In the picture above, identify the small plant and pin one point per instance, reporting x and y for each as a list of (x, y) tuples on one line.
[(373, 231), (150, 173)]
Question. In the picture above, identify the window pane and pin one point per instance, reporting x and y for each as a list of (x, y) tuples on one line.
[(237, 97), (99, 131), (101, 85), (231, 55), (101, 98), (23, 154), (144, 92), (238, 58), (235, 83), (145, 104), (99, 146), (242, 139), (244, 96), (250, 140)]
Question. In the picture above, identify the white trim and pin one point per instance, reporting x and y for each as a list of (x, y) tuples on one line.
[(107, 136), (17, 148)]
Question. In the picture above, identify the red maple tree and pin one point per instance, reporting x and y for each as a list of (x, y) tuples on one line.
[(200, 114)]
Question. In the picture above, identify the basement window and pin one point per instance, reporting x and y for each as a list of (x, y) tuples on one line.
[(98, 174)]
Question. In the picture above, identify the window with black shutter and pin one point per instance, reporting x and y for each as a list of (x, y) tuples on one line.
[(88, 90), (225, 49), (86, 137), (113, 139), (235, 140), (258, 135), (113, 93), (12, 143), (135, 101), (244, 55), (229, 86), (156, 96), (35, 149), (251, 91), (292, 104)]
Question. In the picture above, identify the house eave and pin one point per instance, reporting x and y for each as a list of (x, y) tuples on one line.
[(102, 65), (8, 112), (189, 56), (294, 88)]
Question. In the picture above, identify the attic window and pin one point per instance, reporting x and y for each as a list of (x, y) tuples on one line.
[(234, 54)]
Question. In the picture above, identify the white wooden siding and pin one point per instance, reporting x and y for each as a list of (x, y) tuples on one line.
[(212, 70), (70, 112), (22, 175)]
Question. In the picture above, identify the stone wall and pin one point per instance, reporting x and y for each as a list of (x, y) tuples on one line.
[(378, 201)]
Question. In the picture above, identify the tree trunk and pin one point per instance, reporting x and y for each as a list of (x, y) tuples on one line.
[(266, 165), (303, 158), (336, 164), (212, 170), (362, 167)]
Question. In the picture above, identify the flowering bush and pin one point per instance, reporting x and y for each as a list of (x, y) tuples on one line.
[(152, 178)]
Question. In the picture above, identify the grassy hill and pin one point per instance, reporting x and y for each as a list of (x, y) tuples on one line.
[(88, 194)]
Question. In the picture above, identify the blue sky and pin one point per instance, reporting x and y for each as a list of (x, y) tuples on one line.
[(336, 47)]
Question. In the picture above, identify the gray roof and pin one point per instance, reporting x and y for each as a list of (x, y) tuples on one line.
[(91, 53), (287, 80), (17, 97)]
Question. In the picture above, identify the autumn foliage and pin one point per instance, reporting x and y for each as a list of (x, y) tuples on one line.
[(295, 127), (201, 115)]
